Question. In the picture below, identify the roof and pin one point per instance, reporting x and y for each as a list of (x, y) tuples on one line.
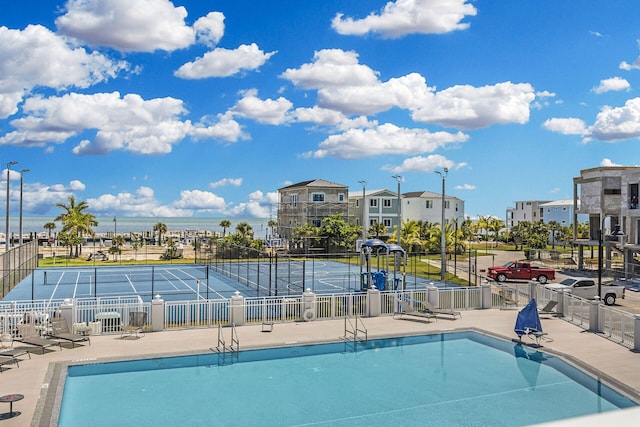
[(370, 193), (320, 183), (567, 202)]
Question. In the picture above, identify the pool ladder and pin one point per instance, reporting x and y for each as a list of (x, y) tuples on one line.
[(355, 333), (233, 349)]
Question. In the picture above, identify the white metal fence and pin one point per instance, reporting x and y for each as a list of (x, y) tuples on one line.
[(612, 323)]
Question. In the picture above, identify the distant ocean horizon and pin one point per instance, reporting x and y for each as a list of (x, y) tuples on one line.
[(35, 224)]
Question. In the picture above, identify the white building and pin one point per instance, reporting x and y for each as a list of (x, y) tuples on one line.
[(427, 207), (525, 211)]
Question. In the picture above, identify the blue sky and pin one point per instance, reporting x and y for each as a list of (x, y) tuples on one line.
[(206, 108)]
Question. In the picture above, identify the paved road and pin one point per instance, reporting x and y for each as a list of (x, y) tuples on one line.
[(631, 302)]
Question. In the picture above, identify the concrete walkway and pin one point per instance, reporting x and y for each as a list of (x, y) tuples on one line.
[(607, 360)]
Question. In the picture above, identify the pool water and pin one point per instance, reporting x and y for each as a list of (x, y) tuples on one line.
[(462, 378)]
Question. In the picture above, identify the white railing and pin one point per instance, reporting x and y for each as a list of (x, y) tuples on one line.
[(576, 310), (617, 325)]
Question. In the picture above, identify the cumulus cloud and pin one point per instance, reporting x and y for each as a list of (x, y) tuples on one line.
[(468, 107), (200, 200), (127, 123), (129, 25), (612, 84), (404, 17), (224, 62), (269, 111), (258, 206), (383, 140), (566, 126), (424, 164), (209, 29), (607, 162), (23, 53), (140, 203), (613, 124), (234, 182), (77, 185)]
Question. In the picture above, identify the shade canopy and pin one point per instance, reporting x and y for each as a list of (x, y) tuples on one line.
[(392, 247), (528, 319)]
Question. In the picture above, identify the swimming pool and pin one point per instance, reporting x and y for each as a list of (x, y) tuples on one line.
[(443, 379)]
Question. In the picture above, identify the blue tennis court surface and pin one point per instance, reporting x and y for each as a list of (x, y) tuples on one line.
[(177, 282)]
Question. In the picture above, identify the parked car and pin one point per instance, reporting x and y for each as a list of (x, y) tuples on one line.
[(98, 256), (587, 288), (518, 270)]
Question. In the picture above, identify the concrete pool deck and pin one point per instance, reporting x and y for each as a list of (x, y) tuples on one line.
[(610, 361)]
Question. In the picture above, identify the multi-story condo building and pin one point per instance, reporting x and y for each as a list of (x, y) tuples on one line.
[(380, 206), (525, 211), (309, 202), (427, 207), (560, 211), (609, 196)]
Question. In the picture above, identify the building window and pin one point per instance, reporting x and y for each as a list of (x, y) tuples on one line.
[(373, 221), (428, 204), (386, 222), (317, 222), (373, 203), (293, 199), (612, 191), (446, 204), (386, 203), (357, 203), (341, 197), (317, 197)]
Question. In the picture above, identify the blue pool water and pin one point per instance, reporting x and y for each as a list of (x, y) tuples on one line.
[(460, 378)]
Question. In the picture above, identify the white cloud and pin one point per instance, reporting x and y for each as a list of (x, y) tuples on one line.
[(128, 25), (235, 182), (76, 185), (23, 53), (409, 16), (210, 29), (258, 206), (384, 140), (618, 123), (465, 187), (612, 84), (200, 200), (424, 164), (468, 107), (566, 126), (224, 62), (127, 123), (607, 162), (269, 111), (140, 203)]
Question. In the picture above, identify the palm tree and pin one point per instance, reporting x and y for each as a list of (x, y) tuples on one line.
[(116, 248), (272, 224), (76, 222), (244, 230), (554, 226), (160, 228), (376, 229), (225, 223), (49, 226)]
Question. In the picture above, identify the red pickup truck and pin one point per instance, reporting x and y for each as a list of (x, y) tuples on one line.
[(516, 270)]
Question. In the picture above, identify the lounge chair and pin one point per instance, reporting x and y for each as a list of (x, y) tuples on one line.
[(60, 330), (406, 309), (506, 295), (29, 335), (8, 360), (528, 324), (428, 307), (548, 308), (137, 322)]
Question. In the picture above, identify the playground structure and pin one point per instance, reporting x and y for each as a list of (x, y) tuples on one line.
[(379, 278)]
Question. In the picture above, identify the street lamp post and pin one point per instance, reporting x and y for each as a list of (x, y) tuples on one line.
[(399, 179), (6, 235), (22, 172), (443, 241), (364, 236)]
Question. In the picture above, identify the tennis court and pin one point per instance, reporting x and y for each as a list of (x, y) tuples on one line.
[(178, 282)]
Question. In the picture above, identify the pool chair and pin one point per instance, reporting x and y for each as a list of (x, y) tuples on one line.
[(428, 307), (406, 309), (8, 360), (137, 322), (506, 296), (528, 324), (29, 335), (60, 330), (548, 308)]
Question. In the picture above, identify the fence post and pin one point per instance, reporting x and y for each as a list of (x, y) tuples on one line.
[(432, 295), (594, 318), (373, 302), (560, 297), (66, 311), (308, 306), (157, 314), (485, 295), (636, 332), (237, 309), (533, 290)]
